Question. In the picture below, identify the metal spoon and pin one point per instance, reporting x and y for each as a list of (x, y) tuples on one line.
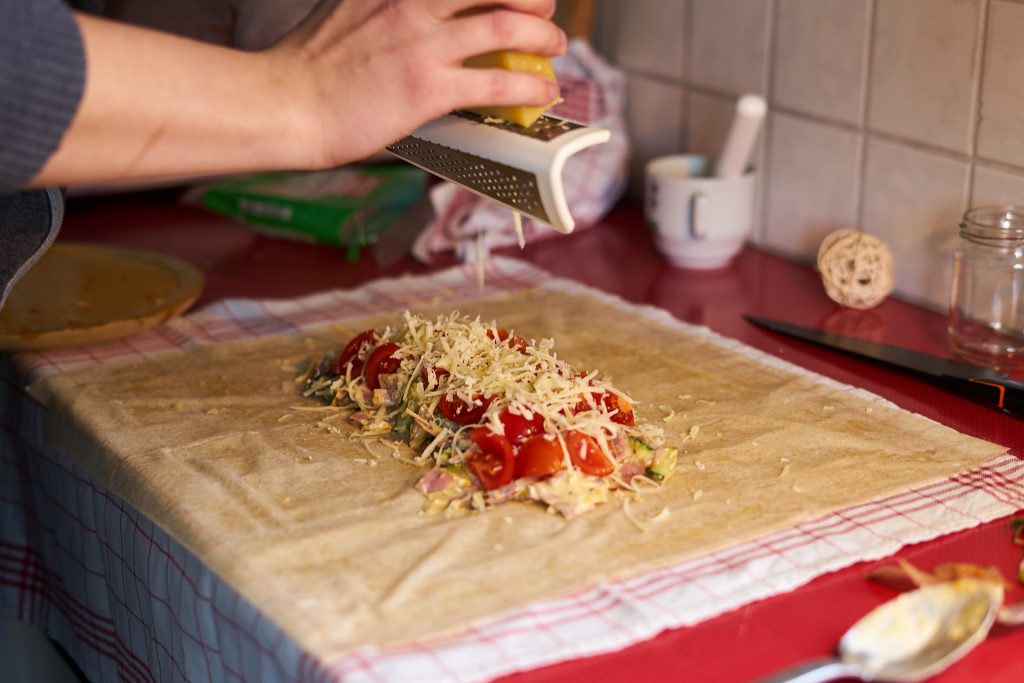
[(911, 637)]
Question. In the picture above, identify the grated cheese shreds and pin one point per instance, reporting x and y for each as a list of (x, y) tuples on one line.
[(517, 220), (481, 248), (499, 378), (644, 525), (632, 517), (481, 254)]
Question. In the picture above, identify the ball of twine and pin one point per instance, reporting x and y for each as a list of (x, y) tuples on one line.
[(856, 268)]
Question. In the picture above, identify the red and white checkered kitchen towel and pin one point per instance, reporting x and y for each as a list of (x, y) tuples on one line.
[(130, 603)]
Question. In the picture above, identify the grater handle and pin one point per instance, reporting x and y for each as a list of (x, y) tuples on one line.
[(520, 168)]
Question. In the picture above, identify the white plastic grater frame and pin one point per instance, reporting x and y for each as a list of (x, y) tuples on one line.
[(520, 168)]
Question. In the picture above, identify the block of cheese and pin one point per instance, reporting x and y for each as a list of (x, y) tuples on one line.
[(515, 61)]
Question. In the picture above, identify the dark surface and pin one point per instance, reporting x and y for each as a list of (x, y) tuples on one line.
[(985, 385), (618, 256)]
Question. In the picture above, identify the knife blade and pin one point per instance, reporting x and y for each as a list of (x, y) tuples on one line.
[(985, 385)]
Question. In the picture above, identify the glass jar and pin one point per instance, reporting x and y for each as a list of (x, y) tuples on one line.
[(986, 304)]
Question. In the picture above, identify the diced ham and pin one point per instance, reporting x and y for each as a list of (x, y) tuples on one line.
[(433, 481), (361, 418), (630, 469), (510, 491), (619, 444)]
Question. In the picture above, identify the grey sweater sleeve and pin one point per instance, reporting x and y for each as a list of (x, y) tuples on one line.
[(29, 222), (42, 73)]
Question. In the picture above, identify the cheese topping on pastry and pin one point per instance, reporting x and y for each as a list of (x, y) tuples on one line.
[(505, 418)]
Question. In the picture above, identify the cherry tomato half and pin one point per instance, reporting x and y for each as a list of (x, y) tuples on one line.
[(539, 456), (587, 455), (518, 428), (437, 373), (494, 463), (613, 401), (459, 412), (581, 406), (351, 352), (583, 403), (382, 361), (621, 409), (515, 341)]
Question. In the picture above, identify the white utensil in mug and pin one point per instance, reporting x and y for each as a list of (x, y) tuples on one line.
[(738, 149), (698, 221)]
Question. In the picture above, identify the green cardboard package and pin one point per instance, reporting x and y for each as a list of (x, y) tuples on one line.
[(349, 206)]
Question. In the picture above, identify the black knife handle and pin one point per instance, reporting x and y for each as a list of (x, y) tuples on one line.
[(1004, 394)]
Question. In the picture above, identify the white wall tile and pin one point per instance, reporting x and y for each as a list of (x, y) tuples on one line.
[(1001, 129), (819, 64), (919, 93), (996, 187), (606, 28), (922, 71), (708, 118), (654, 112), (811, 184), (728, 45), (913, 200), (651, 37)]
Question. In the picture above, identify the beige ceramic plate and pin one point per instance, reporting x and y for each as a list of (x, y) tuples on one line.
[(80, 294)]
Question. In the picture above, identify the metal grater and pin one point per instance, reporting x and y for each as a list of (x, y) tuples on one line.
[(518, 167)]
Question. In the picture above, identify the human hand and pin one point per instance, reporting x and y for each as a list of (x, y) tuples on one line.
[(363, 73), (348, 80)]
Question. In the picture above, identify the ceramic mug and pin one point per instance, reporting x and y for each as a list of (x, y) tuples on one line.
[(698, 221)]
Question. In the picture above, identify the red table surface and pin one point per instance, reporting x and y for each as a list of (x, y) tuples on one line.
[(618, 256)]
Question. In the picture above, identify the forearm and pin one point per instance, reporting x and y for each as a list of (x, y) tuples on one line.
[(351, 78), (160, 106)]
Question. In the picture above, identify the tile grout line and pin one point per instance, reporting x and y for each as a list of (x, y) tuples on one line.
[(609, 36), (685, 114), (814, 118), (768, 78), (688, 38), (867, 132), (893, 138), (867, 61), (770, 42), (981, 49), (651, 75), (917, 145), (998, 165), (775, 107), (682, 125)]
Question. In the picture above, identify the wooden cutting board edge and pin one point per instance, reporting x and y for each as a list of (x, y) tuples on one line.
[(191, 283)]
